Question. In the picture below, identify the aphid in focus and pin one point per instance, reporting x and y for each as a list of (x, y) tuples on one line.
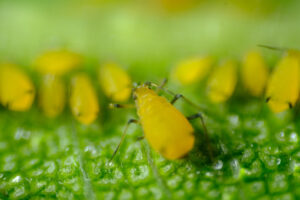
[(283, 85), (16, 89), (222, 82), (83, 99), (254, 73), (166, 129), (57, 62), (52, 95), (192, 70), (115, 82)]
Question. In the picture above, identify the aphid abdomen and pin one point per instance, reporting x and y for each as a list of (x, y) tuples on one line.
[(16, 89), (222, 82), (283, 86), (115, 82), (57, 62), (83, 99), (191, 70), (254, 73), (52, 95), (166, 129)]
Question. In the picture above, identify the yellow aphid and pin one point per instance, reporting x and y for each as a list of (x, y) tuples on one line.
[(83, 99), (167, 130), (115, 82), (57, 62), (254, 73), (283, 85), (52, 95), (16, 89), (222, 82), (192, 70)]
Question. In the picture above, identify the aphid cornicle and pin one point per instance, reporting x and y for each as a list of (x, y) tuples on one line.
[(192, 70), (57, 62), (254, 73), (16, 89), (166, 129), (222, 82), (283, 85), (83, 99), (115, 82), (52, 95)]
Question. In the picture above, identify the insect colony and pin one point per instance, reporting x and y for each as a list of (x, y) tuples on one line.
[(167, 130)]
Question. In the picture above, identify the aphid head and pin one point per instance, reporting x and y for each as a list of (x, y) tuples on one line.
[(135, 85), (147, 84), (140, 85)]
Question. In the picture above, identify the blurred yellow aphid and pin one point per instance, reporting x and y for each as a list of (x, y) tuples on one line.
[(167, 130), (52, 95), (57, 62), (254, 73), (283, 85), (115, 82), (192, 70), (83, 99), (222, 82), (16, 89)]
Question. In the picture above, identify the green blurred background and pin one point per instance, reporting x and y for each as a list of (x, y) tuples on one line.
[(148, 34)]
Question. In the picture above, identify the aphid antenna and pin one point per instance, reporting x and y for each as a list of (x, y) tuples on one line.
[(117, 105), (181, 96), (272, 47)]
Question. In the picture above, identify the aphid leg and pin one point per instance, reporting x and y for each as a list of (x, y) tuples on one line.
[(131, 121), (200, 116), (162, 85), (207, 141), (175, 98), (116, 105), (289, 103), (180, 96), (140, 138)]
